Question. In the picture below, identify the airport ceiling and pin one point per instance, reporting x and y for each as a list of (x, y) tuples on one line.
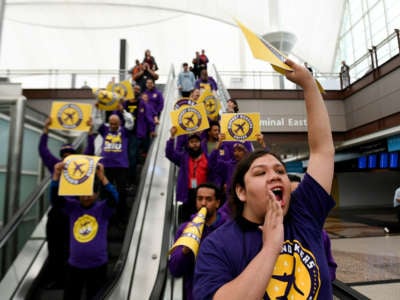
[(85, 34)]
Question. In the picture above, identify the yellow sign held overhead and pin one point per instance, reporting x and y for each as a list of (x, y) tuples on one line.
[(211, 104), (78, 175), (106, 100), (70, 116), (123, 89), (189, 119), (240, 126), (263, 50)]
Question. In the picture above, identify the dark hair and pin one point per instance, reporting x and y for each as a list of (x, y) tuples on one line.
[(213, 123), (236, 108), (294, 178), (67, 148), (241, 169), (210, 185), (185, 64), (193, 136)]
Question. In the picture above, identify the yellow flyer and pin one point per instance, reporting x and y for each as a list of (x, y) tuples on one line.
[(106, 100), (211, 104), (123, 89), (240, 126), (70, 116), (191, 235), (263, 50), (189, 119), (78, 175)]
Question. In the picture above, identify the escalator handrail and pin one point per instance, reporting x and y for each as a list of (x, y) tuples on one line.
[(137, 213)]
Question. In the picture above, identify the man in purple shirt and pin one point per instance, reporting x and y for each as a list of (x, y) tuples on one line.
[(114, 151), (57, 223), (88, 222), (156, 99), (181, 261), (205, 81)]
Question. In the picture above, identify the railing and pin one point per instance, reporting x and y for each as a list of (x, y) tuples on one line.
[(59, 79), (374, 57)]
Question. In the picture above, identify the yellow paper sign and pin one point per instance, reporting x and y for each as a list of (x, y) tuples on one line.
[(189, 119), (78, 175), (240, 126), (106, 100), (264, 50), (211, 104), (70, 116), (191, 235), (123, 89), (183, 101)]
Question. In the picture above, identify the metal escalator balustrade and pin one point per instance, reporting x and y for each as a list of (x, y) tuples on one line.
[(22, 238)]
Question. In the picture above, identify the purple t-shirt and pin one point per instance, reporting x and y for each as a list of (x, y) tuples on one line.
[(114, 149), (301, 268), (87, 228)]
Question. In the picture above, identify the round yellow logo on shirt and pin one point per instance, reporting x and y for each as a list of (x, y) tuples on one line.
[(296, 274), (85, 228)]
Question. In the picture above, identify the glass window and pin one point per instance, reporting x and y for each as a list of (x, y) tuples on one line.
[(360, 45), (347, 47), (393, 14), (346, 23), (30, 159), (376, 14), (356, 10), (379, 33), (371, 3), (4, 136)]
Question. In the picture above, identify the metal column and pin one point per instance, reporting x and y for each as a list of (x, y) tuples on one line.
[(14, 157), (2, 9)]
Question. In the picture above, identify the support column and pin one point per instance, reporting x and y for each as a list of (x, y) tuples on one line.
[(284, 42), (122, 60), (2, 9)]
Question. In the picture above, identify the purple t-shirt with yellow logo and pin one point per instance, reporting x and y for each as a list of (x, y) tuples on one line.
[(114, 149), (88, 227), (301, 270)]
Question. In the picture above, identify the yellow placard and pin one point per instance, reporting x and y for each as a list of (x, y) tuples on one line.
[(263, 50), (123, 89), (240, 126), (211, 104), (78, 175), (70, 116), (106, 100), (191, 235), (189, 119), (183, 101)]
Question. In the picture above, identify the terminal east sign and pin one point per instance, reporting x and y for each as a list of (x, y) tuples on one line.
[(283, 124)]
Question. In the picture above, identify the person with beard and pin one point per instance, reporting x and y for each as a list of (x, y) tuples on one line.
[(193, 170), (182, 260)]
